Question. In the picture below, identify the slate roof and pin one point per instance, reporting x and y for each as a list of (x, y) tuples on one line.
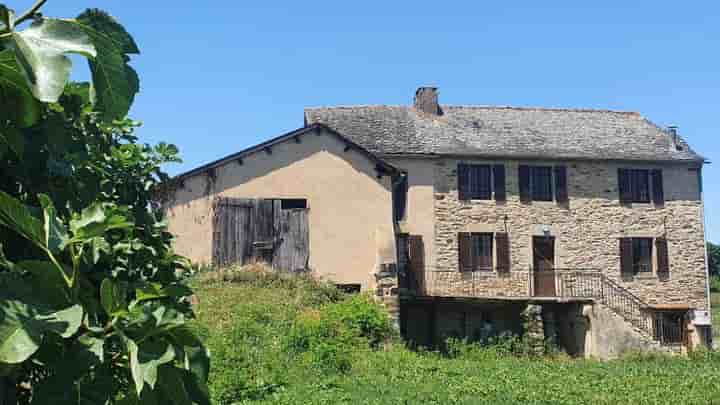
[(381, 165), (505, 132)]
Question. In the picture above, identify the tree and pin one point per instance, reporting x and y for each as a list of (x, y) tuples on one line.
[(93, 309), (713, 251)]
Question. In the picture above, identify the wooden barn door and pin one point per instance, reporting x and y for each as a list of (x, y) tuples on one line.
[(293, 248), (259, 230)]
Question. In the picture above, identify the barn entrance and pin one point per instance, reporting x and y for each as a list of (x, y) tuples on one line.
[(274, 231)]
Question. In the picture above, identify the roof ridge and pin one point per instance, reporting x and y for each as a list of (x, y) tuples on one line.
[(478, 106), (349, 107), (532, 108)]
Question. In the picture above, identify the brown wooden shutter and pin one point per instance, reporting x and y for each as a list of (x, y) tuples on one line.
[(463, 176), (561, 192), (657, 186), (663, 263), (499, 182), (626, 257), (416, 262), (465, 251), (524, 178), (502, 243), (624, 185)]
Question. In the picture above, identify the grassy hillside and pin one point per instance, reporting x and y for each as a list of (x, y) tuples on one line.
[(715, 307), (294, 341)]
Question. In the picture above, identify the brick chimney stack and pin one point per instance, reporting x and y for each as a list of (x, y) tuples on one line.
[(426, 100)]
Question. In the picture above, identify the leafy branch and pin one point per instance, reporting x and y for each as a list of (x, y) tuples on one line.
[(30, 13)]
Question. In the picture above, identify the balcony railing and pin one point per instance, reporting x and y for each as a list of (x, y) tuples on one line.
[(559, 283)]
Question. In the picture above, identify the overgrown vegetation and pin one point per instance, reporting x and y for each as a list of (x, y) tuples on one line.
[(284, 340), (92, 308)]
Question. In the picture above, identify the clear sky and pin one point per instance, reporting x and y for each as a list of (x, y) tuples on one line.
[(221, 75)]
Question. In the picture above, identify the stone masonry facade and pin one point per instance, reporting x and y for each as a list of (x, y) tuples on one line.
[(586, 229)]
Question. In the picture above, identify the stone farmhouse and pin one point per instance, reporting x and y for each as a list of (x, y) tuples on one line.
[(583, 227)]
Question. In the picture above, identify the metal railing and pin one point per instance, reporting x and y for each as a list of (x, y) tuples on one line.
[(559, 283)]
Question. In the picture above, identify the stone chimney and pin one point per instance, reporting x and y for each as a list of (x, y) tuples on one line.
[(426, 100)]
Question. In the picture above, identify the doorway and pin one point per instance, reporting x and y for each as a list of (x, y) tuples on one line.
[(544, 266)]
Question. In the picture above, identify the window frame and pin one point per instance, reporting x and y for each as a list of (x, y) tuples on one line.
[(477, 248), (638, 258), (639, 183), (467, 189), (550, 182), (636, 193)]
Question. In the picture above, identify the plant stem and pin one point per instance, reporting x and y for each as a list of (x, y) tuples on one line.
[(30, 13)]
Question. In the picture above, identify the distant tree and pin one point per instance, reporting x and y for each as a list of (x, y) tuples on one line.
[(713, 259)]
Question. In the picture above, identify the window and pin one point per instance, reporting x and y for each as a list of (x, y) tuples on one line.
[(476, 251), (541, 183), (474, 182), (483, 248), (349, 288), (536, 183), (642, 255), (634, 185), (293, 203)]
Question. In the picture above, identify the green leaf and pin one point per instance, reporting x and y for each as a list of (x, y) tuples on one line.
[(145, 360), (22, 327), (150, 291), (17, 102), (40, 51), (172, 385), (13, 139), (62, 388), (95, 220), (104, 23), (113, 296), (55, 232), (115, 83), (17, 217), (196, 388), (47, 282)]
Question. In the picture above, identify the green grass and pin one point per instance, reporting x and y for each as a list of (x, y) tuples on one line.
[(715, 308), (248, 321)]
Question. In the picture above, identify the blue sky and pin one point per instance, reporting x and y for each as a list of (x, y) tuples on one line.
[(221, 75)]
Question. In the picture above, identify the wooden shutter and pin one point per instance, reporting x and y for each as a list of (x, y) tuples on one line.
[(499, 182), (663, 263), (463, 176), (657, 187), (624, 185), (502, 243), (626, 257), (524, 178), (561, 192), (465, 251), (416, 262)]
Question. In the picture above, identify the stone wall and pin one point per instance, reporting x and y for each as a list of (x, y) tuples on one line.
[(477, 284), (587, 228)]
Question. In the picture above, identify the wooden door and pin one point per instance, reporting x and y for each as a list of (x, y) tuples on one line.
[(292, 251), (259, 230), (544, 266)]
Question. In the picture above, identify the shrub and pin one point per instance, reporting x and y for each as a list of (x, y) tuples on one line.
[(363, 316), (715, 284)]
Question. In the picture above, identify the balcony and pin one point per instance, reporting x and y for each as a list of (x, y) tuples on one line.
[(556, 284)]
